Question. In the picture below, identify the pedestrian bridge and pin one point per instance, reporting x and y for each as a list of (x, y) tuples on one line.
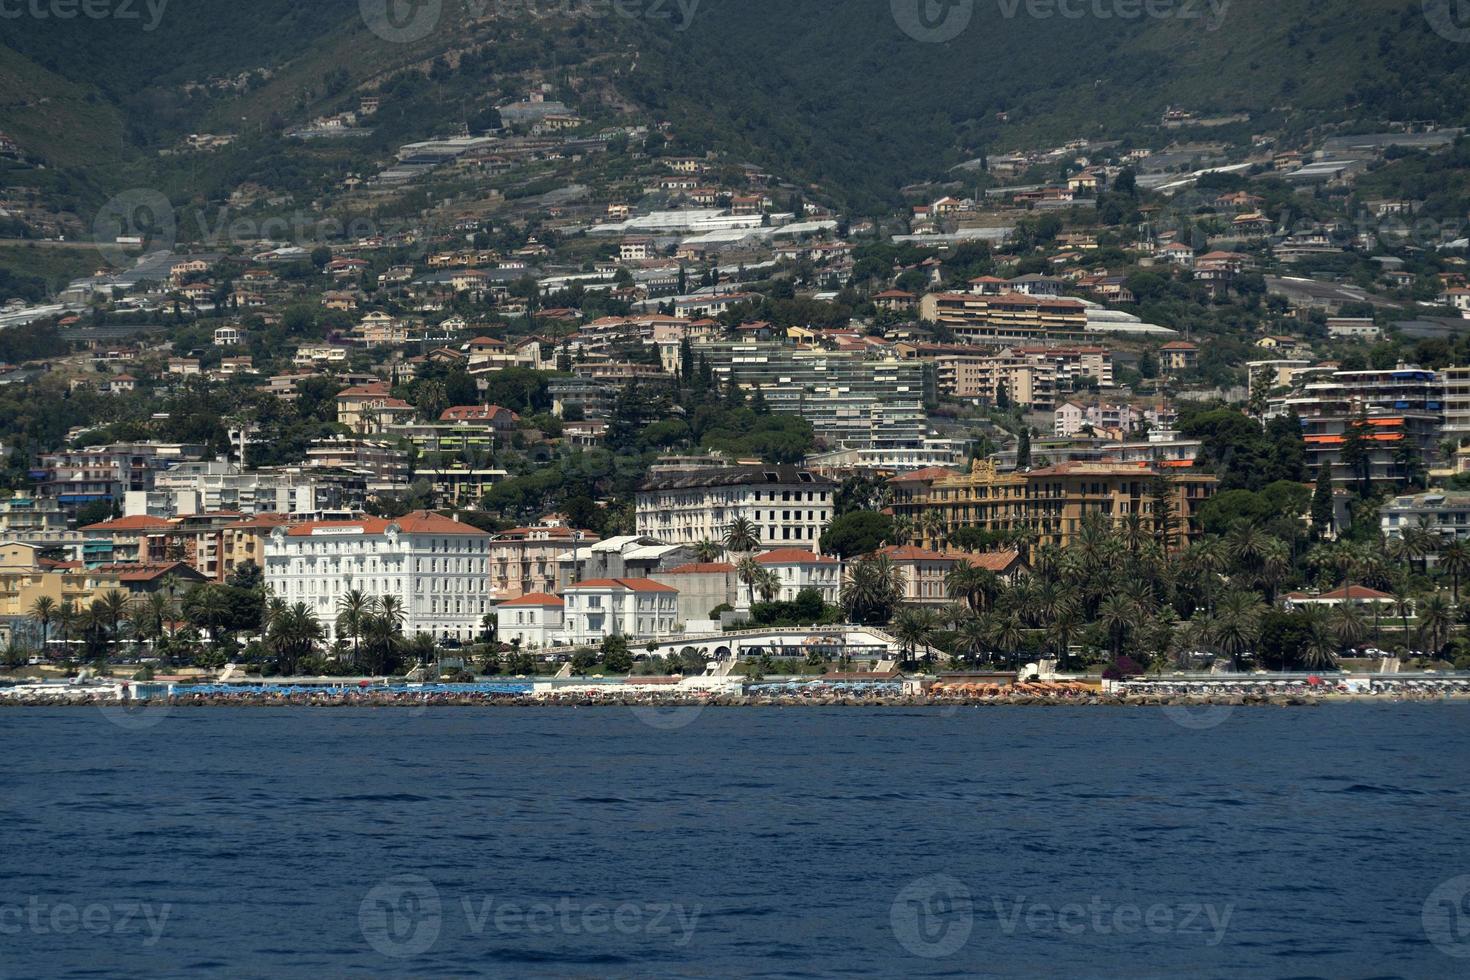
[(833, 642)]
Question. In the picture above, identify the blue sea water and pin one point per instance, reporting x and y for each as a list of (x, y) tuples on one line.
[(1011, 842)]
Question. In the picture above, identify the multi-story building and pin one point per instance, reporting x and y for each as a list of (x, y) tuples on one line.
[(533, 620), (798, 569), (24, 578), (635, 608), (923, 572), (852, 400), (703, 586), (1440, 512), (383, 466), (136, 539), (437, 567), (788, 506), (523, 560), (1007, 318), (978, 373), (34, 521), (77, 477), (1401, 410), (1048, 505), (1456, 403)]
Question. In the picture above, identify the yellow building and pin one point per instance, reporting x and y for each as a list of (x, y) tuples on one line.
[(1052, 502), (24, 579)]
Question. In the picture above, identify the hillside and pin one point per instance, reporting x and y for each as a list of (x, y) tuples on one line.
[(837, 94)]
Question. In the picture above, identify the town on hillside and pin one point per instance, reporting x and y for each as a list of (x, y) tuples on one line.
[(565, 394)]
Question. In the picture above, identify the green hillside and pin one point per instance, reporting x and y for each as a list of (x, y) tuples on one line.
[(836, 93)]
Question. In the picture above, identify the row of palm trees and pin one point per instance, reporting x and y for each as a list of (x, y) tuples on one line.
[(102, 621), (1116, 591), (292, 632)]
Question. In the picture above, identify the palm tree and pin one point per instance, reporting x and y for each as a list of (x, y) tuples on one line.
[(293, 634), (1348, 623), (43, 610), (975, 585), (113, 606), (1320, 648), (1436, 622), (742, 536), (390, 608), (353, 607), (768, 584), (933, 528), (748, 571), (1454, 560), (1403, 607), (901, 531), (914, 628), (1008, 635), (872, 588), (422, 649), (1117, 615), (1238, 623), (65, 617), (1248, 545), (1135, 532), (708, 551), (972, 637)]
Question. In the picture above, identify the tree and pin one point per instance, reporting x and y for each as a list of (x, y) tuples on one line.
[(1436, 622), (353, 608), (294, 634), (616, 657), (1023, 449), (914, 628), (583, 660), (748, 570), (856, 533), (708, 551), (111, 607), (1322, 509), (1454, 561), (43, 610), (1238, 623), (872, 588), (741, 535), (1357, 453)]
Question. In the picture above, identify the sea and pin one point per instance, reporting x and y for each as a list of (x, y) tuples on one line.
[(731, 842)]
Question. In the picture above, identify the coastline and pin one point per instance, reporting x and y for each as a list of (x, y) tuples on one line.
[(408, 700)]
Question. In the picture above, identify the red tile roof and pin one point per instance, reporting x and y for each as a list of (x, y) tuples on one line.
[(793, 556), (927, 473), (534, 599), (137, 522), (631, 584), (702, 568), (418, 522), (908, 552)]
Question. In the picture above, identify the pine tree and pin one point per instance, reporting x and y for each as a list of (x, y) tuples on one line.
[(1322, 501)]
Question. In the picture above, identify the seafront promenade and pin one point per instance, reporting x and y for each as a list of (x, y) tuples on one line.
[(733, 691)]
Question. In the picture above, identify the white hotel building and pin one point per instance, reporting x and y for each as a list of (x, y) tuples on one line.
[(788, 505), (437, 567)]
